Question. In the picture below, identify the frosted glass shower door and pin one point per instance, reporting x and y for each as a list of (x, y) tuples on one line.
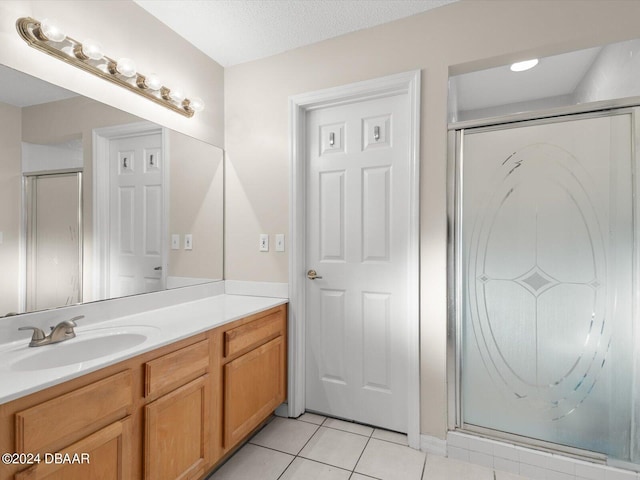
[(54, 240), (547, 251)]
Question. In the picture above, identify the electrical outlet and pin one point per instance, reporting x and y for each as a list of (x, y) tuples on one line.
[(188, 241), (279, 242), (264, 242), (175, 241)]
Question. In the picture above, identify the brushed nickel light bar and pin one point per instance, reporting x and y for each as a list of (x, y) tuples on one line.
[(47, 37)]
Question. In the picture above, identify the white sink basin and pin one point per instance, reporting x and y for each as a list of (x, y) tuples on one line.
[(87, 345)]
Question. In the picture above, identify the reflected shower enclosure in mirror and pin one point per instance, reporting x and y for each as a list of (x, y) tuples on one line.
[(143, 188)]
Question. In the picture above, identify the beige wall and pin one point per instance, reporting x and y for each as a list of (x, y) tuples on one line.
[(10, 188), (125, 30), (196, 186), (457, 38)]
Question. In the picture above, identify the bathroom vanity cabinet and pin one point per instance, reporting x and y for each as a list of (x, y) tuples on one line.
[(253, 374), (177, 422), (174, 412)]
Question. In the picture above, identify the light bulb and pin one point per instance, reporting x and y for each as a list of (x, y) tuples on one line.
[(177, 95), (50, 30), (126, 67), (196, 104), (525, 65), (152, 82), (92, 49)]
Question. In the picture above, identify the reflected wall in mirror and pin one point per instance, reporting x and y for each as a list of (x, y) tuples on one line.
[(132, 205), (596, 74)]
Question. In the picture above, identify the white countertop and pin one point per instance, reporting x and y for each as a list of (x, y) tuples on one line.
[(161, 327)]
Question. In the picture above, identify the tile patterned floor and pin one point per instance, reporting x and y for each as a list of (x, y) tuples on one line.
[(313, 447)]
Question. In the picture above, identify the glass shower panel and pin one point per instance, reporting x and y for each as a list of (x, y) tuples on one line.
[(547, 250)]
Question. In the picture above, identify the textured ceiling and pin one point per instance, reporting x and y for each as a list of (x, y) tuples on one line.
[(237, 31)]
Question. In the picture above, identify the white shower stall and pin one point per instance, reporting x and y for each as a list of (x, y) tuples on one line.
[(547, 278), (544, 255)]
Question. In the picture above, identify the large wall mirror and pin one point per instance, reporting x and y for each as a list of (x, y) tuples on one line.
[(96, 203)]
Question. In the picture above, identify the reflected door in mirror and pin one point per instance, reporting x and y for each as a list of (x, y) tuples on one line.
[(137, 215)]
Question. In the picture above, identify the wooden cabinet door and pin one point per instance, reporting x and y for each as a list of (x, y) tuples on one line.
[(177, 444), (254, 385), (103, 455)]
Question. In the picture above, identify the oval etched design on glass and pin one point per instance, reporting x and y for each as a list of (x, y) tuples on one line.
[(537, 280)]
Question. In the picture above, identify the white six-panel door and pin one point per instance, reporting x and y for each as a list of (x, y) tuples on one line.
[(136, 198), (357, 230)]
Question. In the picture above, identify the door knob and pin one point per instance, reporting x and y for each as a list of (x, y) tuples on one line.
[(312, 275), (157, 269)]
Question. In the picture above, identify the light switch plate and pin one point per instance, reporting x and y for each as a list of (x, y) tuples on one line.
[(175, 241), (279, 242), (188, 241), (264, 242)]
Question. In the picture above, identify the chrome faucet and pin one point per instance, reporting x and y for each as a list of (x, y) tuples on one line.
[(61, 332)]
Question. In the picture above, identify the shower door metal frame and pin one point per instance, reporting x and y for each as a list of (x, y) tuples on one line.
[(28, 180), (455, 155)]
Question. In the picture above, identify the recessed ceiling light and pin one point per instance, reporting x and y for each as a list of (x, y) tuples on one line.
[(522, 66)]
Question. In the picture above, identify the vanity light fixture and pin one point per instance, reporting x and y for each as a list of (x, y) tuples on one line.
[(47, 37), (525, 65)]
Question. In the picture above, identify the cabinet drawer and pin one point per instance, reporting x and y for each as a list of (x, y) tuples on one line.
[(246, 337), (65, 419), (177, 368)]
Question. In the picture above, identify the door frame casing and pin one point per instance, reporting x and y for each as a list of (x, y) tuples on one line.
[(101, 198), (407, 83)]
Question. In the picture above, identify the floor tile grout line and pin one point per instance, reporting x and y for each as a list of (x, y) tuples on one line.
[(373, 428), (287, 453), (325, 463), (360, 456), (310, 437), (298, 456), (424, 466), (352, 471), (355, 433), (287, 467), (317, 428), (364, 475)]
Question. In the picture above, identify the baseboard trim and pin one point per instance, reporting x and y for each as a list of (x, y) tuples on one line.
[(257, 289), (434, 445)]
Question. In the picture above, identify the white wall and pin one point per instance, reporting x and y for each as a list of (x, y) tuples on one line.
[(45, 158), (614, 74), (458, 38)]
